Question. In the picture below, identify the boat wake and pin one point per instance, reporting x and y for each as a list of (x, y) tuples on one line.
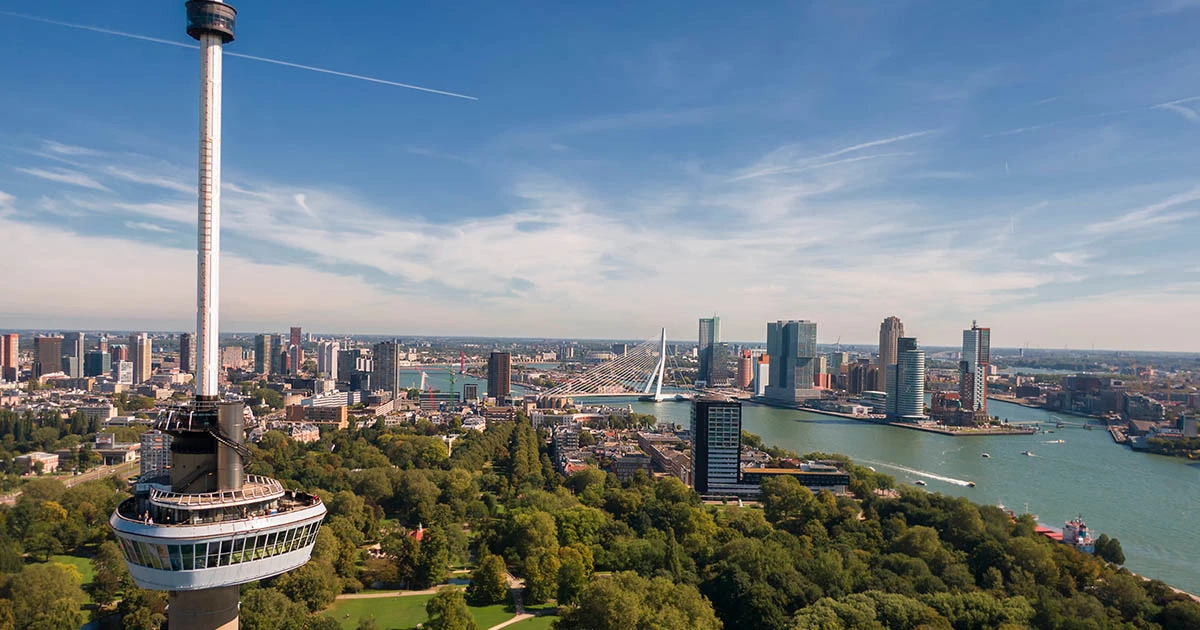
[(921, 473)]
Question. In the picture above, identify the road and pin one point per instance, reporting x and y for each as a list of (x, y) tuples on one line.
[(73, 480)]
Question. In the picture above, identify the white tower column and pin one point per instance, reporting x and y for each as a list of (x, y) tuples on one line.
[(209, 232)]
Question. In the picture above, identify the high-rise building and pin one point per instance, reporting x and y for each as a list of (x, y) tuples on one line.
[(762, 375), (217, 527), (47, 355), (279, 356), (792, 346), (122, 372), (910, 381), (96, 363), (905, 382), (72, 361), (102, 343), (470, 392), (820, 364), (839, 362), (140, 348), (353, 360), (264, 354), (710, 335), (499, 375), (156, 452), (119, 352), (716, 443), (973, 369), (187, 353), (890, 331), (385, 359), (9, 356), (745, 373), (327, 359), (858, 377), (295, 359), (297, 337)]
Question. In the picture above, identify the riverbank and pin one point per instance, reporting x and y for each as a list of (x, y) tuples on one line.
[(942, 429), (1020, 403), (939, 429)]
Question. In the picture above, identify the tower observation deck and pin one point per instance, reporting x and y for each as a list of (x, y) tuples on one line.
[(202, 528)]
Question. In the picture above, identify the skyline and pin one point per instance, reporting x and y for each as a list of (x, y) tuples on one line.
[(683, 181)]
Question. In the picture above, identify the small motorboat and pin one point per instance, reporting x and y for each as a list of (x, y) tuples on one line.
[(985, 455), (1027, 453), (919, 482), (970, 484)]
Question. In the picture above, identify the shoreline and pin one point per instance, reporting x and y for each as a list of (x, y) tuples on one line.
[(937, 429)]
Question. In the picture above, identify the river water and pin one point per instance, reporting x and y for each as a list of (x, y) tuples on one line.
[(1149, 502)]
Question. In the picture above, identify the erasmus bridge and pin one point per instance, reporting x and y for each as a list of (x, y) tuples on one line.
[(639, 372)]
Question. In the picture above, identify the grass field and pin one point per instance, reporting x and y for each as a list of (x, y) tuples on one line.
[(537, 623), (84, 565), (404, 613)]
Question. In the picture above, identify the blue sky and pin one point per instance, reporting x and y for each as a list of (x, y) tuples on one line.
[(627, 166)]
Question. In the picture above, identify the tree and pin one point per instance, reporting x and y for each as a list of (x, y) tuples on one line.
[(627, 600), (269, 609), (541, 576), (573, 574), (141, 609), (48, 596), (448, 611), (315, 585), (1109, 549), (489, 582), (367, 623), (433, 559), (111, 573), (783, 498)]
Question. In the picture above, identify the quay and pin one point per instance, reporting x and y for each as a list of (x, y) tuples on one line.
[(928, 428)]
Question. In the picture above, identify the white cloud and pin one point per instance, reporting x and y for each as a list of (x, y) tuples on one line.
[(148, 227), (66, 176), (1152, 215)]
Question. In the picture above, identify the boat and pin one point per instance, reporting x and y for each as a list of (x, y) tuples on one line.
[(970, 484), (919, 482), (1076, 533), (1029, 453), (985, 455), (1050, 431)]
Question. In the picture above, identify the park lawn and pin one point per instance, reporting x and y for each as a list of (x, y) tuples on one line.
[(542, 622), (403, 613), (390, 613), (488, 616), (83, 565)]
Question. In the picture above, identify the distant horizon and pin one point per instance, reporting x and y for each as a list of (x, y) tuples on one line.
[(334, 336)]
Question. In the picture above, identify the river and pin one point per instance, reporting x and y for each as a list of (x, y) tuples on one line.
[(1149, 502)]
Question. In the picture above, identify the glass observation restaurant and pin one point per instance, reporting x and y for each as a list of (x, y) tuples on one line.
[(183, 541)]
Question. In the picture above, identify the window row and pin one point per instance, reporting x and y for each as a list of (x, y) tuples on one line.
[(221, 553)]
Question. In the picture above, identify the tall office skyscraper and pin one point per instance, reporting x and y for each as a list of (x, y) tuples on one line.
[(264, 354), (72, 363), (47, 355), (906, 382), (96, 363), (295, 359), (762, 375), (9, 355), (327, 359), (296, 336), (119, 352), (716, 443), (890, 331), (139, 347), (973, 369), (792, 346), (710, 335), (499, 375), (102, 343), (187, 353), (385, 372)]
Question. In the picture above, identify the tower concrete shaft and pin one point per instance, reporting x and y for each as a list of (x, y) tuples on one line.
[(209, 219)]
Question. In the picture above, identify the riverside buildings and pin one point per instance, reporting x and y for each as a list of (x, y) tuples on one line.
[(385, 372), (710, 336), (890, 332), (792, 346), (906, 382), (716, 428), (499, 375), (973, 369)]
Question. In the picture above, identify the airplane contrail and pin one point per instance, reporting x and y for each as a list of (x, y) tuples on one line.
[(278, 62)]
